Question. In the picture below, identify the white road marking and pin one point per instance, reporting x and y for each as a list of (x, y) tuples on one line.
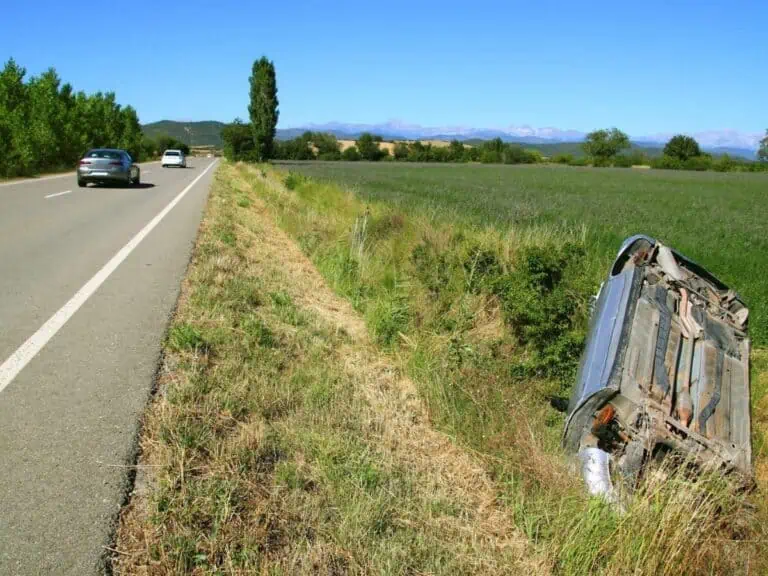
[(44, 178), (57, 194), (27, 351), (13, 182)]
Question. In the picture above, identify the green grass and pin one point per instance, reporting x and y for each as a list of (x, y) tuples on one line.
[(486, 312), (718, 220)]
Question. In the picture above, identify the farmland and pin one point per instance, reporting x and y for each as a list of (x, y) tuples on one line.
[(719, 220)]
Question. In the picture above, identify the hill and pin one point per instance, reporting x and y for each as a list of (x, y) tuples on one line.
[(205, 133)]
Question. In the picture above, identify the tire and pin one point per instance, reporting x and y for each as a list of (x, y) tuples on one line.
[(81, 183)]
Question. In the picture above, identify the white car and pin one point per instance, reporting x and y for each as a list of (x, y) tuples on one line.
[(174, 158)]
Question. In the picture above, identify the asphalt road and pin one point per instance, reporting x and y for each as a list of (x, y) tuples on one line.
[(88, 279)]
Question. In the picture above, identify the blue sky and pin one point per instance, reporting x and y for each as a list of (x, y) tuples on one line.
[(646, 67)]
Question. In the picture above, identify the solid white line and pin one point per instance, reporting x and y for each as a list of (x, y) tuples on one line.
[(57, 194), (27, 351)]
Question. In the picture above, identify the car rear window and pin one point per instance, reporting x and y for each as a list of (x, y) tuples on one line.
[(111, 154), (171, 153)]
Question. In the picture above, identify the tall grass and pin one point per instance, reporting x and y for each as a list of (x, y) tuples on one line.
[(489, 320)]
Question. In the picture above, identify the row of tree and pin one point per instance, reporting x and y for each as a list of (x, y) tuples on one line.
[(255, 141), (681, 152), (602, 148), (46, 125)]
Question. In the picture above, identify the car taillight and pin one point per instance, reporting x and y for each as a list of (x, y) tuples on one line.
[(84, 162)]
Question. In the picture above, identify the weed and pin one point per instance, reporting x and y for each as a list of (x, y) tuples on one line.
[(185, 337)]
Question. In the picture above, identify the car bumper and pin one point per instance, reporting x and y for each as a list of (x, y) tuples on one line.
[(182, 163), (103, 175)]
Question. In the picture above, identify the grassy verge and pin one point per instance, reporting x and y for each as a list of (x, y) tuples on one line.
[(282, 441), (488, 321)]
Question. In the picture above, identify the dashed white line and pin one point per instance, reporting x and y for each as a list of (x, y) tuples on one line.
[(27, 351), (57, 194)]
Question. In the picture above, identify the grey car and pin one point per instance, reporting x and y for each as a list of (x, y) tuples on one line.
[(665, 368), (108, 165)]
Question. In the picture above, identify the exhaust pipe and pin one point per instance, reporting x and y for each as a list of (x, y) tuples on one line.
[(596, 473)]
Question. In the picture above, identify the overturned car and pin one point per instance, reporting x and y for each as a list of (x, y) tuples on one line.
[(665, 368)]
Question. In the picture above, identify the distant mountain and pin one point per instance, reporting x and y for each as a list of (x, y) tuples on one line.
[(205, 133), (549, 140)]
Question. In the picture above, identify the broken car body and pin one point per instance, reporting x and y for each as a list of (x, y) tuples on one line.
[(665, 367)]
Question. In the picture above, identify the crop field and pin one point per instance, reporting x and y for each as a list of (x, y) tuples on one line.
[(718, 220)]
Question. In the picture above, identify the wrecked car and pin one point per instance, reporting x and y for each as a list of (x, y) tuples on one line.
[(665, 368)]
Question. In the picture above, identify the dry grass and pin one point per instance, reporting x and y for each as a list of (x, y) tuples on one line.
[(282, 441)]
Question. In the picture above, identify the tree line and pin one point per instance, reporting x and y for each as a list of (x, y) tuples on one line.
[(255, 141), (45, 125)]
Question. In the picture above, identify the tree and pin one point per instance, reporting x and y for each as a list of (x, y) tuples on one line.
[(238, 141), (46, 125), (350, 154), (456, 151), (603, 145), (400, 151), (263, 108), (762, 153), (682, 147), (327, 146), (368, 147)]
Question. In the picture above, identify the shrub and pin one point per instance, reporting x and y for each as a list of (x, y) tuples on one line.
[(701, 162), (666, 163), (623, 161), (350, 154), (563, 159), (542, 306), (368, 147), (400, 151)]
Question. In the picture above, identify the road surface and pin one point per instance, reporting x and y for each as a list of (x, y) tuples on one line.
[(88, 279)]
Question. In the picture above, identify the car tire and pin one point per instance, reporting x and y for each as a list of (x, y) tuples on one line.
[(81, 183)]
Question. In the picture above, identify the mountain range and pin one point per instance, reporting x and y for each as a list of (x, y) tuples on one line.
[(732, 142)]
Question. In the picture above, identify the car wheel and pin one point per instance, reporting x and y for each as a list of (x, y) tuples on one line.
[(81, 183)]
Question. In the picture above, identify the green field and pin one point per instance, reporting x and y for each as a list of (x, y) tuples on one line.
[(719, 220)]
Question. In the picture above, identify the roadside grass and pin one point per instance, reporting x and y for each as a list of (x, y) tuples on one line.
[(282, 441), (488, 320)]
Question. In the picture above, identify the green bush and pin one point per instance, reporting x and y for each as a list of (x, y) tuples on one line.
[(701, 162), (542, 304), (666, 163), (350, 154), (563, 159), (623, 161), (293, 180)]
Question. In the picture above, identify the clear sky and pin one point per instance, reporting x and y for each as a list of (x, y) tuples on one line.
[(646, 67)]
